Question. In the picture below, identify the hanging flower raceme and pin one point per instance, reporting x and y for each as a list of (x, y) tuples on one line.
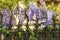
[(41, 12), (6, 17), (21, 10), (22, 15), (30, 15), (44, 6), (50, 15), (33, 9)]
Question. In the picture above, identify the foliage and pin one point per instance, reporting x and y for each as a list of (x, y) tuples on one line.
[(7, 3), (4, 31), (50, 27)]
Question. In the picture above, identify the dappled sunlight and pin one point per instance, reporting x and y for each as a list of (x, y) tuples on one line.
[(32, 27), (34, 16), (23, 28), (21, 5), (25, 21), (31, 22), (14, 27), (17, 19)]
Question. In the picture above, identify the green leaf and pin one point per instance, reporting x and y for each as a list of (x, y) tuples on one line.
[(20, 34), (50, 27)]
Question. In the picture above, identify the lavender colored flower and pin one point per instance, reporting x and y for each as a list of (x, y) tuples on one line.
[(22, 15), (50, 14), (40, 14), (32, 6), (38, 11), (44, 6), (32, 10), (6, 17), (7, 20), (30, 15)]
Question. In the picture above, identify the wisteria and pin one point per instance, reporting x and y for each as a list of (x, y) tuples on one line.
[(33, 9), (41, 12), (50, 15), (21, 11), (22, 15), (30, 15), (6, 17)]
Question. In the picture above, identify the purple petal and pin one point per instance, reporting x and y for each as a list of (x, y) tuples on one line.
[(49, 17), (6, 16), (30, 15)]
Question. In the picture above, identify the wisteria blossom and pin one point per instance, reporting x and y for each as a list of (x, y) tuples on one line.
[(22, 15), (6, 17), (50, 15), (33, 9)]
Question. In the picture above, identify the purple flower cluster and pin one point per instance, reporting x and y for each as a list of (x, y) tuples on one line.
[(34, 10), (50, 15), (6, 17), (39, 14), (22, 16)]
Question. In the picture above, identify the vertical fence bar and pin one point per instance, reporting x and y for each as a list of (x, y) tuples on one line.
[(27, 38), (0, 35), (36, 30), (27, 26), (18, 38)]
